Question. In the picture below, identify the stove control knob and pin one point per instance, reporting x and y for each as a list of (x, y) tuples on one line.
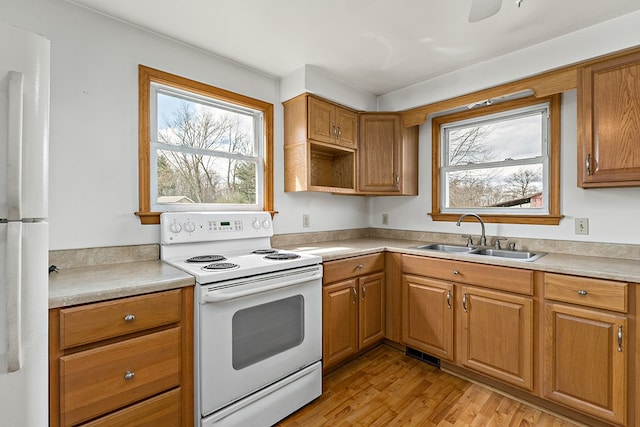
[(266, 224), (256, 224), (174, 227), (189, 227)]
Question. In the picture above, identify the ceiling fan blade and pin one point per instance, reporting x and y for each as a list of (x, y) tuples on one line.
[(482, 9)]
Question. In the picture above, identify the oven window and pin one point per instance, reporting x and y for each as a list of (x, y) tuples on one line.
[(265, 330)]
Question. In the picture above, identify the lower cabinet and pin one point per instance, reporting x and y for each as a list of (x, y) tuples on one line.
[(427, 315), (586, 349), (123, 362), (497, 335), (353, 309)]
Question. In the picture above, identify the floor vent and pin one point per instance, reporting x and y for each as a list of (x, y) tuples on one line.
[(416, 354)]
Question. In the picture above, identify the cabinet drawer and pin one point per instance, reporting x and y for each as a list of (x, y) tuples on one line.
[(96, 322), (597, 293), (352, 267), (490, 276), (93, 382), (159, 411)]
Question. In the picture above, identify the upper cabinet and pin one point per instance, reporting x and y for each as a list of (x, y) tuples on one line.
[(331, 123), (387, 155), (319, 146), (609, 122)]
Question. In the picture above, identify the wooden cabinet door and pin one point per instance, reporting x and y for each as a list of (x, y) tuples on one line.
[(321, 120), (497, 335), (427, 315), (371, 319), (346, 123), (609, 123), (379, 153), (585, 360), (339, 321)]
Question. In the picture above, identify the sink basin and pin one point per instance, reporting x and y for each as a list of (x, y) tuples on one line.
[(445, 248), (489, 252), (503, 253)]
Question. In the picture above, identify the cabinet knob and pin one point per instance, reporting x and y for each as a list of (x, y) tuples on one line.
[(359, 266), (582, 292), (129, 375), (456, 272), (129, 318)]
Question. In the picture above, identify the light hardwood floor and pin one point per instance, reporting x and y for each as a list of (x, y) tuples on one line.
[(386, 388)]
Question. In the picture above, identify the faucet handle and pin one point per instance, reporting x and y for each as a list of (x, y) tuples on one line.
[(496, 243), (469, 240)]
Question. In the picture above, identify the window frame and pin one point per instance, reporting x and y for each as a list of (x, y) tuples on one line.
[(148, 76), (553, 216)]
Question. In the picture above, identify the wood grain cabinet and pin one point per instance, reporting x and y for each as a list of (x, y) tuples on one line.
[(491, 306), (123, 362), (586, 345), (428, 315), (609, 122), (320, 141), (387, 155), (353, 307)]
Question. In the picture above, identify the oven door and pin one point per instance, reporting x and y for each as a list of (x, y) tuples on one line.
[(255, 331)]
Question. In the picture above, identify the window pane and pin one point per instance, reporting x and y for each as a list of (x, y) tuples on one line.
[(197, 178), (518, 137), (501, 187), (199, 125)]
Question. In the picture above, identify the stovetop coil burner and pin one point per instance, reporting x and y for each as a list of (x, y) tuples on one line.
[(220, 266), (282, 256), (206, 258), (264, 251)]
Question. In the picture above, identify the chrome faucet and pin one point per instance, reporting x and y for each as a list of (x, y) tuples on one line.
[(483, 238)]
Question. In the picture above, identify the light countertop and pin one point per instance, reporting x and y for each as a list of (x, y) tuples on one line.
[(103, 282), (599, 267)]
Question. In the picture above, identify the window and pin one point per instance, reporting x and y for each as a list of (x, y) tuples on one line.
[(201, 148), (500, 161)]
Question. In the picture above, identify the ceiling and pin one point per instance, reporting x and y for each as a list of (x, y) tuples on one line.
[(375, 45)]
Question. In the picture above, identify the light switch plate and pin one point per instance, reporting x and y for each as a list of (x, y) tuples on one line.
[(582, 226)]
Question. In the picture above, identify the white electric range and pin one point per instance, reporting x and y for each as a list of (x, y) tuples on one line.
[(258, 316)]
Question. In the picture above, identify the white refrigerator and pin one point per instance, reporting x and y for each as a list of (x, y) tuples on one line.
[(24, 235)]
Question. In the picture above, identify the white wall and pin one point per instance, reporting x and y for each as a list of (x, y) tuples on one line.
[(94, 125), (612, 213)]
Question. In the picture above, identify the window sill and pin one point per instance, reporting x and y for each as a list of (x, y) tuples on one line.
[(504, 219)]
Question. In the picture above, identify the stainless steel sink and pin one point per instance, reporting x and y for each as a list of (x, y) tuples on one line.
[(503, 253), (483, 251), (445, 248)]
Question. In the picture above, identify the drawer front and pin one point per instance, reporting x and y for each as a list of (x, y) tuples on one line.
[(159, 411), (94, 382), (96, 322), (490, 276), (352, 267), (597, 293)]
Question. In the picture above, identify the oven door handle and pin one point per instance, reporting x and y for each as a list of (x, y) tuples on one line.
[(220, 295)]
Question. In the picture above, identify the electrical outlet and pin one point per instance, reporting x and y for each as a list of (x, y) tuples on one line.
[(385, 219), (581, 225), (305, 221)]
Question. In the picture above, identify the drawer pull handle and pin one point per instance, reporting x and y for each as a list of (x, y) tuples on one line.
[(620, 338), (129, 318), (582, 292), (129, 375), (456, 272), (359, 266)]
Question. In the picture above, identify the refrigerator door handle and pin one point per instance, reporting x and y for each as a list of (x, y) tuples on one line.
[(14, 147), (14, 295)]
